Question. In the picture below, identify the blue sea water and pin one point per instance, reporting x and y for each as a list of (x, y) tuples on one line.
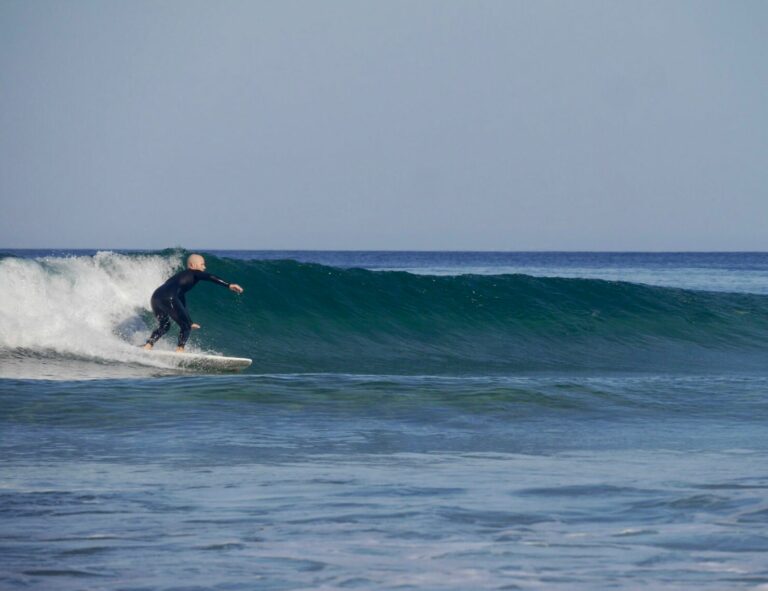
[(411, 421)]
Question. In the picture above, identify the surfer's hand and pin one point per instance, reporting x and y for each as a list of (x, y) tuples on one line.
[(195, 325), (236, 288)]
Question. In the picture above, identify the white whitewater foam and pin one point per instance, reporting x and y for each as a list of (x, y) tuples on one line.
[(85, 306)]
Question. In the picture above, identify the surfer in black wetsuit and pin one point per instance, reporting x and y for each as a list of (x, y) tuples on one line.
[(168, 300)]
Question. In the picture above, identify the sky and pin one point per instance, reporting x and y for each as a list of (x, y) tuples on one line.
[(384, 125)]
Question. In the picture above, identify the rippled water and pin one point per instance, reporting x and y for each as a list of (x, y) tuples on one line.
[(312, 482)]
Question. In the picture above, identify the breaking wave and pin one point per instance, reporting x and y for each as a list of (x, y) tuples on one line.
[(302, 318)]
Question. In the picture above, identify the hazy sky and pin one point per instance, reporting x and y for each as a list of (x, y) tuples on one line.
[(553, 125)]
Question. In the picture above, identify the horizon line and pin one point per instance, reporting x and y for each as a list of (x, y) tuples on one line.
[(383, 250)]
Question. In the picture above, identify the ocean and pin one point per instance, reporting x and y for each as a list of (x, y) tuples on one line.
[(411, 420)]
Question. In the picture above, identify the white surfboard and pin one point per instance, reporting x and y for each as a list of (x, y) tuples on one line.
[(202, 362)]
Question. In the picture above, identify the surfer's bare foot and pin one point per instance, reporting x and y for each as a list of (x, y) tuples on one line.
[(195, 325), (148, 346), (179, 349)]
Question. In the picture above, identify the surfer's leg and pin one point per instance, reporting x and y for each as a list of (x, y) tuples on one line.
[(164, 325), (163, 321), (181, 317)]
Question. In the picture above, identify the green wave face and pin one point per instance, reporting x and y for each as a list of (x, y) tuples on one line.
[(297, 317)]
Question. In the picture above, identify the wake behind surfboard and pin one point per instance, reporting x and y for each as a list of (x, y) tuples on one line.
[(202, 362)]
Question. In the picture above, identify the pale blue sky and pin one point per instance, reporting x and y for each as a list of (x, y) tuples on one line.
[(555, 125)]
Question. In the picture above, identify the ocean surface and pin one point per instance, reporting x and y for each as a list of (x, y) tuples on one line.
[(411, 420)]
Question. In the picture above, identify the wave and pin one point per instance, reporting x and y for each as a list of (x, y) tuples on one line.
[(302, 317)]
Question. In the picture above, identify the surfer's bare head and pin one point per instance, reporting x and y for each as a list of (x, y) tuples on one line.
[(195, 262)]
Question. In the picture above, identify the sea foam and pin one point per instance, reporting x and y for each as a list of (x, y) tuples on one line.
[(86, 306)]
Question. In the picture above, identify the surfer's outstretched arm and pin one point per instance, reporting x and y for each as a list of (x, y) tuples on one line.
[(196, 264), (203, 276)]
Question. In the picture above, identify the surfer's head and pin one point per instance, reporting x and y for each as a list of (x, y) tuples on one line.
[(195, 262)]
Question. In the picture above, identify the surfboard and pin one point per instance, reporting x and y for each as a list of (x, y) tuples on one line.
[(202, 362)]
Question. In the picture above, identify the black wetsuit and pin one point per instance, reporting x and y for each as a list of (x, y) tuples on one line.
[(168, 303)]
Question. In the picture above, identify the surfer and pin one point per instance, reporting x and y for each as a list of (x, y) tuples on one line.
[(168, 301)]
